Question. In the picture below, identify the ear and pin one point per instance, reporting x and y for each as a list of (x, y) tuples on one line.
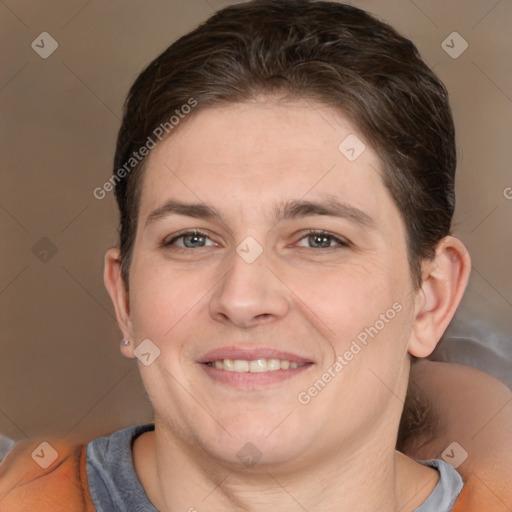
[(120, 298), (444, 280)]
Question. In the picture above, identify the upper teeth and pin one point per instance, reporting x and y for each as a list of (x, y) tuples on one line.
[(258, 365)]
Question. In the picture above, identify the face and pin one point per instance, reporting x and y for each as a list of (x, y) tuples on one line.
[(270, 269)]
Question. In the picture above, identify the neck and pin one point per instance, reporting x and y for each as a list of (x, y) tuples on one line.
[(371, 477)]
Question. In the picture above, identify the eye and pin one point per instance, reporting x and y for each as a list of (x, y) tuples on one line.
[(321, 240), (189, 240)]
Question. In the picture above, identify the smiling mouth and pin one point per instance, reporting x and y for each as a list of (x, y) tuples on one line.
[(254, 366)]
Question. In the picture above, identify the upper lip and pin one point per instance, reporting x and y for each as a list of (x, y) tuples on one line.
[(251, 354)]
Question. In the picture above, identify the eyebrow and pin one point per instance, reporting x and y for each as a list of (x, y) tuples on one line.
[(289, 210), (330, 208), (173, 207)]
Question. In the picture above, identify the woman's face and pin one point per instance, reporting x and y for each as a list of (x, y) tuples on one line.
[(267, 240)]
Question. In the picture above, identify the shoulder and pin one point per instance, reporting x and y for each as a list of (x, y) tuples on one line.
[(474, 423), (45, 476), (472, 408), (484, 493)]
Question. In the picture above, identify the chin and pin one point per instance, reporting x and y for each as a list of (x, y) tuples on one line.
[(257, 454), (255, 441)]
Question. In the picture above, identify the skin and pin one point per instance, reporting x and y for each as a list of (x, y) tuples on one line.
[(246, 160), (475, 410)]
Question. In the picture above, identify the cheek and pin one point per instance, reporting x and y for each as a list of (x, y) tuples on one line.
[(364, 313), (346, 299), (161, 298)]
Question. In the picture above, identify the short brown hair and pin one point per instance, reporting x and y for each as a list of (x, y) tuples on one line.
[(330, 52)]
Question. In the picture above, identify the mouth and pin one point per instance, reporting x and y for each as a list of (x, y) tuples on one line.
[(252, 368)]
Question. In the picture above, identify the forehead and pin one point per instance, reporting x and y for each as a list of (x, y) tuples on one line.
[(248, 157)]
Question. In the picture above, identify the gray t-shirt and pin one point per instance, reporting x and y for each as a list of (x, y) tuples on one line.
[(115, 486)]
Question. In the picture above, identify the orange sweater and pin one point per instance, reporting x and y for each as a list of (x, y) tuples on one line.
[(485, 495), (63, 486)]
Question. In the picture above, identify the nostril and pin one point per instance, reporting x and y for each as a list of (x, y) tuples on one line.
[(222, 316)]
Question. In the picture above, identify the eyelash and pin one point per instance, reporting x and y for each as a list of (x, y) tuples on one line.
[(342, 243), (169, 243)]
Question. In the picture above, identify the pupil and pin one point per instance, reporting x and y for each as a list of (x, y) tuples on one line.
[(320, 240), (193, 240)]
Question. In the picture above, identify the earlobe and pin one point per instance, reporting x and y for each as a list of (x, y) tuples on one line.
[(119, 295), (444, 281)]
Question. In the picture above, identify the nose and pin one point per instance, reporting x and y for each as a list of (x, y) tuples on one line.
[(249, 295)]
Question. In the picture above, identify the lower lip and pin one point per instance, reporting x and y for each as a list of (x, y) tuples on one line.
[(248, 380)]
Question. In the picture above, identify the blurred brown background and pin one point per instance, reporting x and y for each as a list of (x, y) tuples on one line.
[(61, 372)]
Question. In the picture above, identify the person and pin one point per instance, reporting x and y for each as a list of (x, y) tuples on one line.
[(285, 180)]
